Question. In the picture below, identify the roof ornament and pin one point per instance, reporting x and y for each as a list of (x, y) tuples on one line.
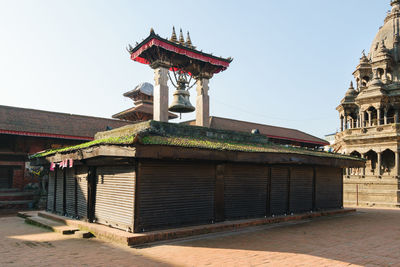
[(173, 36), (363, 58), (181, 40), (188, 41), (152, 31)]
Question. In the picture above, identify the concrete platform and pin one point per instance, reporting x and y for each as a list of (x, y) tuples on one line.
[(134, 239)]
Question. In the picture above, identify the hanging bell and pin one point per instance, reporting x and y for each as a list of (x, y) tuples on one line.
[(181, 102)]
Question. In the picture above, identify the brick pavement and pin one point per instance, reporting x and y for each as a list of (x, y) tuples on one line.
[(370, 237)]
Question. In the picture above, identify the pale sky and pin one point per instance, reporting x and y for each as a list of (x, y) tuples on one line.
[(292, 65)]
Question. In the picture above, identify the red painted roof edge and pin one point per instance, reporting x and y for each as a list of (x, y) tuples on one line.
[(177, 49), (46, 135)]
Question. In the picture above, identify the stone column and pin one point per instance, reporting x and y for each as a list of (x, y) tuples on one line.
[(379, 163), (363, 169), (369, 118), (346, 122), (160, 102), (396, 163), (385, 117), (202, 103), (378, 115), (362, 119), (396, 116), (341, 124)]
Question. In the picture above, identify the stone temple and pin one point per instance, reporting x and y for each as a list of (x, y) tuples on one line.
[(369, 119)]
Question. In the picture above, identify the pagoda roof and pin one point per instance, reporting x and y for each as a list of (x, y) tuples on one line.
[(145, 108), (177, 55)]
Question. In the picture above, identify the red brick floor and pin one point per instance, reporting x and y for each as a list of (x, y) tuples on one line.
[(370, 237)]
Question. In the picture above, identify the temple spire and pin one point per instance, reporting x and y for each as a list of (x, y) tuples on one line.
[(188, 41), (173, 36), (181, 39)]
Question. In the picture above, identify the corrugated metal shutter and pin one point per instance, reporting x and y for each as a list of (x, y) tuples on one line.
[(82, 190), (70, 192), (50, 192), (245, 190), (279, 190), (329, 188), (301, 189), (115, 193), (174, 194), (60, 191)]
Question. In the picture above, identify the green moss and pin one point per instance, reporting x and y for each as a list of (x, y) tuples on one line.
[(191, 137), (232, 146), (122, 140)]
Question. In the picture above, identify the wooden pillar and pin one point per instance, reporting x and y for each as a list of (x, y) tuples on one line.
[(202, 103), (219, 209), (160, 102)]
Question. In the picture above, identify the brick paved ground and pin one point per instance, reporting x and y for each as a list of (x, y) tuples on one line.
[(370, 237)]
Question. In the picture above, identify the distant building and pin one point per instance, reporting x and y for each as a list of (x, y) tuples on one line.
[(369, 120), (142, 97), (27, 131), (331, 139)]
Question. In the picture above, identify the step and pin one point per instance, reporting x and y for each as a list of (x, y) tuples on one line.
[(136, 239), (9, 190), (16, 204), (51, 225), (83, 234), (16, 195)]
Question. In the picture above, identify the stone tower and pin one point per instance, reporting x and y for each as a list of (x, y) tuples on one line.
[(369, 120)]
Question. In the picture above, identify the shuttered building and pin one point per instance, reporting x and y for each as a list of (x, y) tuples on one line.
[(145, 187)]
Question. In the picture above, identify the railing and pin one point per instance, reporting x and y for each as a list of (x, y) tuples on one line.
[(370, 129)]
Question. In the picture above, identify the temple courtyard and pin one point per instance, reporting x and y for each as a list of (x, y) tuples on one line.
[(368, 237)]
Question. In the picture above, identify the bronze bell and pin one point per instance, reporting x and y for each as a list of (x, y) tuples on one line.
[(181, 102)]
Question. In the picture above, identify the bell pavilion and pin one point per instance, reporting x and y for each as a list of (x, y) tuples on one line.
[(369, 120), (189, 67)]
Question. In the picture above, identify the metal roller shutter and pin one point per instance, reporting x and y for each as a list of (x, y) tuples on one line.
[(60, 192), (301, 189), (82, 191), (50, 192), (115, 193), (245, 191), (279, 190), (329, 188), (174, 194), (70, 192)]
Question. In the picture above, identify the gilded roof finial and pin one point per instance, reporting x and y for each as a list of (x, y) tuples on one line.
[(173, 36), (188, 41), (181, 40), (152, 31)]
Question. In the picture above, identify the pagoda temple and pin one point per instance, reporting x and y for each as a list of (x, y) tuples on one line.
[(369, 120), (142, 97)]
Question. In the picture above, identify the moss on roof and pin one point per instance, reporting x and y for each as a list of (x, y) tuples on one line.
[(233, 146), (191, 142), (122, 140)]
